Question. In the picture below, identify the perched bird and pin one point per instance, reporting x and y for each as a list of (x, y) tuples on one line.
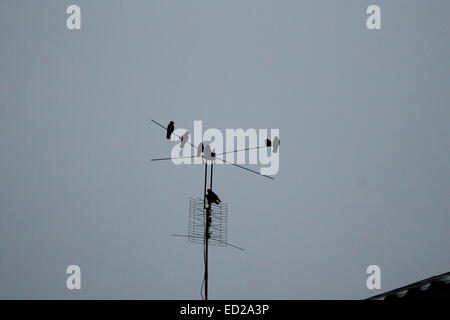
[(212, 197), (184, 139), (200, 149), (268, 143), (276, 144), (208, 154), (170, 129)]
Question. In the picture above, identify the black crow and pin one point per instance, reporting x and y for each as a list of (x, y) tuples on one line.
[(212, 197), (184, 139), (276, 144), (170, 129), (208, 154), (200, 149)]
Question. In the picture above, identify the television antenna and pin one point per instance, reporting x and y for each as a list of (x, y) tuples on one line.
[(208, 216)]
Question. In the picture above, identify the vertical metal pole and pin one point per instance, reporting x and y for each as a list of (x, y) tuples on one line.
[(208, 224), (206, 235), (206, 255), (204, 189), (210, 183)]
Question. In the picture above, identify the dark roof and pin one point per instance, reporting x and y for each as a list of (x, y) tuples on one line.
[(437, 287)]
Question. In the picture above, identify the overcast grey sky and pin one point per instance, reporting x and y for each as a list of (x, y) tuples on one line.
[(364, 162)]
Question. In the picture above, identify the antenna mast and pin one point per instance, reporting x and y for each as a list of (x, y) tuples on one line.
[(202, 216)]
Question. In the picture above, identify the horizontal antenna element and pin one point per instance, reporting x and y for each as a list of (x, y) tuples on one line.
[(214, 156)]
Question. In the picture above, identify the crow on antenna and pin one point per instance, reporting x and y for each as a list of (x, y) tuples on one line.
[(200, 149), (276, 144), (184, 138), (212, 197), (208, 154), (170, 129)]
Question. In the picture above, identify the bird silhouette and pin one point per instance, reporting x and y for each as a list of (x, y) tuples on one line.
[(184, 139), (208, 154), (200, 149), (212, 197), (268, 143), (170, 129), (276, 144)]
